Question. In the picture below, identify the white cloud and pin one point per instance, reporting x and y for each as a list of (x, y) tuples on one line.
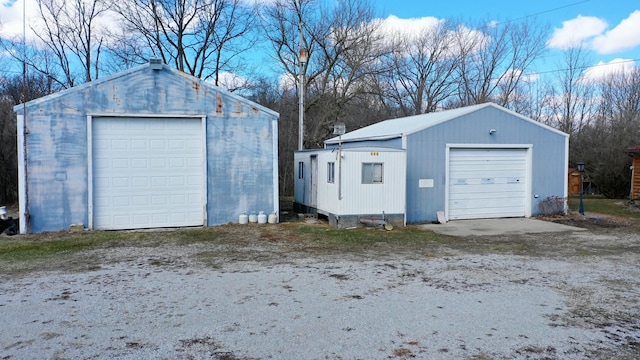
[(232, 82), (576, 31), (601, 70), (623, 37), (11, 16), (287, 82), (411, 28), (417, 31)]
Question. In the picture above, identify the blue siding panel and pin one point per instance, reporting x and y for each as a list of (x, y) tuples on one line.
[(394, 143), (239, 135), (426, 154)]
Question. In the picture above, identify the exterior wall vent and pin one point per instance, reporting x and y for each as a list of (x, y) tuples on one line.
[(155, 64)]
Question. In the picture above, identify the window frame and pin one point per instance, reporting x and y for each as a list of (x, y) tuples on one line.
[(372, 173), (300, 169), (331, 172)]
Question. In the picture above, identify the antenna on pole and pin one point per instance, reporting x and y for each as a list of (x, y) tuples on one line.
[(302, 60), (24, 204)]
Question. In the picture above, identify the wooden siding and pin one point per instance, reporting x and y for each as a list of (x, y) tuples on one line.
[(635, 180), (241, 157)]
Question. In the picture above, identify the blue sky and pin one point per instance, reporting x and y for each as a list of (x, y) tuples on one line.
[(609, 29)]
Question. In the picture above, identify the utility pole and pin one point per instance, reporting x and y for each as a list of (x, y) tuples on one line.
[(302, 60)]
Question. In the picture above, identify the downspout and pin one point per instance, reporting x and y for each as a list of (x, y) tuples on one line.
[(339, 167), (275, 183)]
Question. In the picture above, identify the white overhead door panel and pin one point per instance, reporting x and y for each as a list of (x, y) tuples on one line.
[(147, 172), (487, 183)]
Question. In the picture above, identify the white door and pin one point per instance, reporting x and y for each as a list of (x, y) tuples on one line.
[(147, 172), (313, 196), (487, 183)]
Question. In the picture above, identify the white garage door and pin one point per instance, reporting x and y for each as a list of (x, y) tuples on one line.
[(147, 173), (487, 183)]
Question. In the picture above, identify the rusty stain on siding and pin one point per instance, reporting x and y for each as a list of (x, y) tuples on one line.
[(196, 87), (115, 97), (219, 103)]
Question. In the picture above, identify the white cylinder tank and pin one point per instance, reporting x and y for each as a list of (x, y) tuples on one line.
[(243, 219), (273, 218), (253, 218), (262, 218)]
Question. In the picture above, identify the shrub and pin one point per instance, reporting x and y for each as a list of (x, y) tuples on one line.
[(552, 205)]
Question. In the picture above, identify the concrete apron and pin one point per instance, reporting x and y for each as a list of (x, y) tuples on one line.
[(484, 227)]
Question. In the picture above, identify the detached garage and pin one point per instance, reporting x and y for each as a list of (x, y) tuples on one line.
[(480, 161), (145, 148)]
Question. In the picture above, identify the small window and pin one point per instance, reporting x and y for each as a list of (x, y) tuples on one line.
[(331, 172), (300, 170), (372, 173)]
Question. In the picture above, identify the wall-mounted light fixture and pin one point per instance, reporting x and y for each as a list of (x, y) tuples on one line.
[(492, 131)]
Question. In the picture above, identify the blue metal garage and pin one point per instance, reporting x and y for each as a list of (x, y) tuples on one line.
[(480, 161), (145, 148)]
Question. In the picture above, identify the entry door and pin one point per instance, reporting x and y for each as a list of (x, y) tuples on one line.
[(487, 183), (313, 196), (147, 172)]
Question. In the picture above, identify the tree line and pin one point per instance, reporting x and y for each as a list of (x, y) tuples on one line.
[(360, 70)]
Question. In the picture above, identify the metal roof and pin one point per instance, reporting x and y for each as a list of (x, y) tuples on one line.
[(152, 66), (395, 128), (354, 149)]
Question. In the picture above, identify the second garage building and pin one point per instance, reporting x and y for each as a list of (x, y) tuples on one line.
[(480, 161)]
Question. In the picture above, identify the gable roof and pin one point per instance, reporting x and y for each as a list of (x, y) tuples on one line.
[(396, 128), (633, 151), (140, 68)]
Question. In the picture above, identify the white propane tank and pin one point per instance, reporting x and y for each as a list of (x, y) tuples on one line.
[(253, 218), (273, 218), (262, 218), (243, 219)]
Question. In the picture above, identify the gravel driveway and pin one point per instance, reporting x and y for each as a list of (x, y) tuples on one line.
[(465, 300)]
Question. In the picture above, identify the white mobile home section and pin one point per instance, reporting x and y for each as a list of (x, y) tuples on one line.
[(364, 183)]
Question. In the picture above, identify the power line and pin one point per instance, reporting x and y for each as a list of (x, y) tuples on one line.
[(583, 67), (544, 12)]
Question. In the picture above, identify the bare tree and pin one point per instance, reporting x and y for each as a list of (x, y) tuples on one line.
[(571, 103), (494, 59), (13, 91), (200, 37), (344, 51), (601, 142), (420, 69), (68, 31)]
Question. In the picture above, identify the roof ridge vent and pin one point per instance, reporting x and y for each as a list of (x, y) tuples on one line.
[(155, 64)]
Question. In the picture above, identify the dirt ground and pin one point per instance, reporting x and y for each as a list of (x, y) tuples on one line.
[(552, 296)]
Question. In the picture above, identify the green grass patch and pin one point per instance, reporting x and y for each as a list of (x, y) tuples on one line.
[(21, 250), (600, 205), (194, 236), (582, 252), (21, 247), (360, 238), (31, 247)]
